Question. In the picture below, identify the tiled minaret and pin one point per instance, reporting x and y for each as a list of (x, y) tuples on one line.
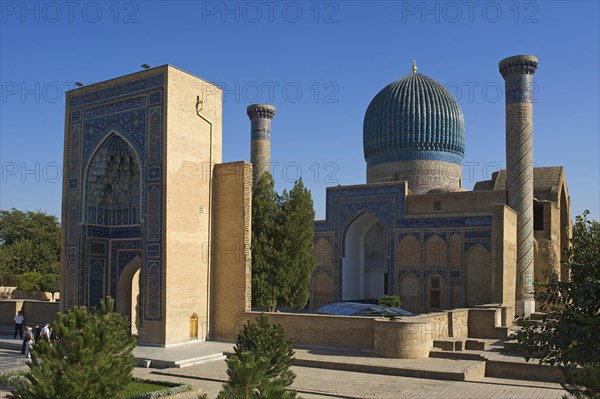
[(260, 147), (518, 73)]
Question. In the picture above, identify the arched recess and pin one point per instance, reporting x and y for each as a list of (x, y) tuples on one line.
[(409, 292), (321, 293), (454, 250), (409, 251), (96, 285), (323, 252), (113, 184), (128, 298), (194, 326), (358, 281), (478, 276), (435, 293), (455, 301), (435, 251)]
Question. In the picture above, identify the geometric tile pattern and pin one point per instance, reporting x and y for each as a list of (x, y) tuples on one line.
[(386, 203), (133, 111)]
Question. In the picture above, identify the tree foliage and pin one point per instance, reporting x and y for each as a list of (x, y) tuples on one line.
[(92, 357), (569, 335), (29, 242), (260, 366), (282, 245)]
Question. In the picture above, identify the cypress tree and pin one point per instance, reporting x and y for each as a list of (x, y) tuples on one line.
[(282, 245), (266, 289), (297, 257)]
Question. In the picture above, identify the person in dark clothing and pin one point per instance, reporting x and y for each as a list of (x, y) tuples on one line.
[(37, 332), (26, 337)]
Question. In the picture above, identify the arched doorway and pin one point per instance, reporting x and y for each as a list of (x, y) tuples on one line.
[(365, 260), (128, 292), (194, 326), (478, 276)]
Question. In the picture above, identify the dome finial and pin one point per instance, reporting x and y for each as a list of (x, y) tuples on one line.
[(414, 67)]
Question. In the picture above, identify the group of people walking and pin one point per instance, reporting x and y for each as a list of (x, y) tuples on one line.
[(31, 335)]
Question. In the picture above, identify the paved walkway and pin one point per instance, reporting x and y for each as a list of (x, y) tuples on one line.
[(316, 383), (323, 383)]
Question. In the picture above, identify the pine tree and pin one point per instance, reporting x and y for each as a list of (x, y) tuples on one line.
[(297, 257), (260, 366), (92, 357)]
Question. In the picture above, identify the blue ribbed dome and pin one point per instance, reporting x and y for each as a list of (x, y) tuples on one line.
[(414, 118)]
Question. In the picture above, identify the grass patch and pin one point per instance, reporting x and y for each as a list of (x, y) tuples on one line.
[(138, 388)]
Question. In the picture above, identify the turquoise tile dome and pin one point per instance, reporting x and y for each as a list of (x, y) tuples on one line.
[(413, 118)]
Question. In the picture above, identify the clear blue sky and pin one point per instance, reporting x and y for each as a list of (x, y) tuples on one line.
[(320, 64)]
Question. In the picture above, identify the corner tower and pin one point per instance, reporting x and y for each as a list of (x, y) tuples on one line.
[(414, 130), (260, 116), (517, 72)]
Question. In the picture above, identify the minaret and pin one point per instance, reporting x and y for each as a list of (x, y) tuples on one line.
[(518, 73), (260, 146)]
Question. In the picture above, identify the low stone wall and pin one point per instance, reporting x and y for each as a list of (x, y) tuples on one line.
[(40, 311), (33, 311), (14, 293), (524, 371), (447, 324), (484, 323), (407, 337), (325, 330)]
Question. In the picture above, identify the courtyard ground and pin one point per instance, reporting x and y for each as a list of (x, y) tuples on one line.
[(314, 382)]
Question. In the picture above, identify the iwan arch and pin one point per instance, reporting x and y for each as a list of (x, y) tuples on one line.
[(152, 217)]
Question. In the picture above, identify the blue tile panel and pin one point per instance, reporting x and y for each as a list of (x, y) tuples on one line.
[(386, 203), (134, 111)]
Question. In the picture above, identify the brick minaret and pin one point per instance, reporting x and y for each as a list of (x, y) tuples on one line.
[(260, 148), (518, 73)]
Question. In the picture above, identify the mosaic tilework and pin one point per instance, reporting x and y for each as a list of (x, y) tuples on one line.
[(392, 132), (132, 110), (386, 203)]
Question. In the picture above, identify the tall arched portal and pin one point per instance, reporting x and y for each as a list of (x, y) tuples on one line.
[(113, 219), (365, 261)]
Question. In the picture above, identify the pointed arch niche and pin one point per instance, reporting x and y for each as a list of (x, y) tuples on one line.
[(113, 184), (365, 259), (478, 276)]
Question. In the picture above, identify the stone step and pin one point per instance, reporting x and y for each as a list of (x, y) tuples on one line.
[(467, 371), (476, 345), (437, 369), (449, 345), (164, 364), (456, 355)]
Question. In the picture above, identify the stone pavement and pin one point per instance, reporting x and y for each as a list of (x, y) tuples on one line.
[(323, 383), (315, 383)]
